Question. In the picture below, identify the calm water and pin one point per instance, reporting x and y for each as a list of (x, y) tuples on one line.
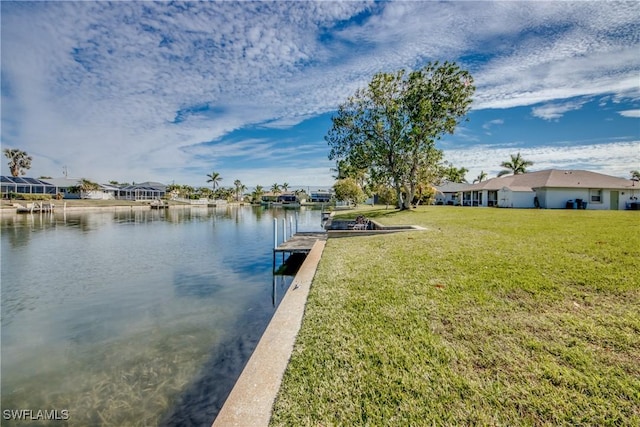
[(135, 317)]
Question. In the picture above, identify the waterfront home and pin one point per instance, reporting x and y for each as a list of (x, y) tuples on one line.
[(25, 185), (449, 193), (555, 189), (67, 188), (142, 191), (320, 196)]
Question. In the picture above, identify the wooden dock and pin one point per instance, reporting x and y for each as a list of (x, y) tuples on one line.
[(297, 247), (37, 207), (301, 242)]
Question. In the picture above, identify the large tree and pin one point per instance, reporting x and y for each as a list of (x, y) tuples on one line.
[(391, 126), (348, 190), (346, 170), (19, 161), (517, 165)]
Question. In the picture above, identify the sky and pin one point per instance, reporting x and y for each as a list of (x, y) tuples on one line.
[(171, 91)]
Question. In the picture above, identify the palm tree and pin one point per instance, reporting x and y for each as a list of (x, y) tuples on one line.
[(275, 189), (635, 175), (84, 187), (226, 193), (516, 166), (19, 161), (481, 177), (285, 186), (214, 179), (256, 196), (454, 174), (239, 188)]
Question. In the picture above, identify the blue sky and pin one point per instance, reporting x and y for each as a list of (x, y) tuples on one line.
[(172, 91)]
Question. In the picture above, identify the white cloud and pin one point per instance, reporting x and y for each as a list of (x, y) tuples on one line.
[(491, 123), (630, 113), (556, 110)]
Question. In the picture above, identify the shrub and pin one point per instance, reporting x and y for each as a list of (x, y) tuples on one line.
[(28, 196)]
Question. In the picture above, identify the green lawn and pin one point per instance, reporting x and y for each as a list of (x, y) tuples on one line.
[(490, 317)]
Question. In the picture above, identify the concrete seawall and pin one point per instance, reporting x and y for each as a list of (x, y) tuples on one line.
[(251, 400)]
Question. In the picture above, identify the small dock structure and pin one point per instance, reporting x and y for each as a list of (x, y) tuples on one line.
[(159, 204), (299, 243), (37, 207)]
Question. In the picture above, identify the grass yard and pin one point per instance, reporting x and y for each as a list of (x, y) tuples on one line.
[(490, 317)]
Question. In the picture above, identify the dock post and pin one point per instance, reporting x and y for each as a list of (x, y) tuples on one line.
[(275, 233), (291, 233), (275, 242), (284, 230)]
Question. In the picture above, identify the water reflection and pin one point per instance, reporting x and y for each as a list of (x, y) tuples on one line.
[(135, 317)]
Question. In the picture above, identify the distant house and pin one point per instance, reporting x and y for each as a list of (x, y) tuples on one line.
[(269, 197), (320, 196), (142, 191), (555, 189), (450, 193), (25, 185), (287, 198)]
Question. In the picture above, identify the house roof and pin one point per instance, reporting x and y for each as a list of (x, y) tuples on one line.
[(554, 178), (23, 180), (452, 187), (152, 184), (63, 182)]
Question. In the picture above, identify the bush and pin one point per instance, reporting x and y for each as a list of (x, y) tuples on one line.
[(28, 196)]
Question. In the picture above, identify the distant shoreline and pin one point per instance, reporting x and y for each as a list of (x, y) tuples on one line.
[(80, 205)]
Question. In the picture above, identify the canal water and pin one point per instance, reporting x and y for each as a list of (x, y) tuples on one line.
[(137, 317)]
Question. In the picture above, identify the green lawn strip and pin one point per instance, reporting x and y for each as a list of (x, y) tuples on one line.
[(489, 316)]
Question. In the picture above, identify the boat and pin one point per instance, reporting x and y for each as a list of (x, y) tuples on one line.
[(159, 204), (34, 207)]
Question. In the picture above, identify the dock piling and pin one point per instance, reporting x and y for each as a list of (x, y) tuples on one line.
[(284, 230), (275, 233)]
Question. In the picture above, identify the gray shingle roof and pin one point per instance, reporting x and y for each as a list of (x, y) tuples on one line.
[(554, 178), (453, 187)]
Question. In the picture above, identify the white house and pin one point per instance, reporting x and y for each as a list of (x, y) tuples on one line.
[(556, 189), (450, 193)]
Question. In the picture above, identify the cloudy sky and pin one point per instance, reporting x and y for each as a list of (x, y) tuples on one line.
[(172, 91)]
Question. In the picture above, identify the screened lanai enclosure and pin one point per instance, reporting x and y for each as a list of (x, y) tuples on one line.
[(144, 191), (65, 187), (16, 184)]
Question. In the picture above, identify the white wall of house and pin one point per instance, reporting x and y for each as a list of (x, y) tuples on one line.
[(97, 195), (508, 198), (556, 198), (447, 198)]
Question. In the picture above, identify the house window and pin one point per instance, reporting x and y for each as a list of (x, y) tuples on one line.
[(595, 196)]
